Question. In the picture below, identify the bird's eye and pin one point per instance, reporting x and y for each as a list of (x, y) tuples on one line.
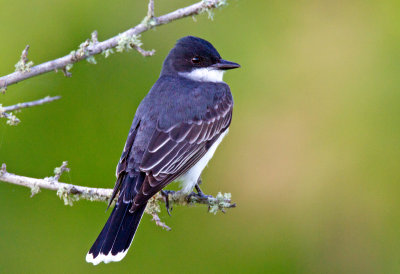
[(195, 60)]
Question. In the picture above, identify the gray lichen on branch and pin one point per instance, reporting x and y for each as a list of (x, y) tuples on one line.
[(24, 65), (92, 47), (70, 193), (150, 20)]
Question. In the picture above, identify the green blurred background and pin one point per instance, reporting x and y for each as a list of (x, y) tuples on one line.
[(312, 157)]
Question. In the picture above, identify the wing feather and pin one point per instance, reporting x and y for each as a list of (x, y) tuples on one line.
[(158, 142), (174, 150), (122, 164), (161, 146)]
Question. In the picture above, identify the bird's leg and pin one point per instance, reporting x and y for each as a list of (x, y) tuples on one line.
[(165, 194), (199, 192)]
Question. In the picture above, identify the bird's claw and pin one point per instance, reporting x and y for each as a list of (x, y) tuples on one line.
[(165, 194), (199, 194)]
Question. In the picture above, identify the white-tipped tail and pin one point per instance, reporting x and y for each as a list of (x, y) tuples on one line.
[(105, 258)]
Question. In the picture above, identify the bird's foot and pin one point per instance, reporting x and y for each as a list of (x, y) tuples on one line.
[(199, 195), (165, 194)]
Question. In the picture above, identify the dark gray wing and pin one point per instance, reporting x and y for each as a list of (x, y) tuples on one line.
[(123, 162), (174, 150)]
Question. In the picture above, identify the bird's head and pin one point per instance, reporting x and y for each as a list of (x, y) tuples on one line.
[(196, 59)]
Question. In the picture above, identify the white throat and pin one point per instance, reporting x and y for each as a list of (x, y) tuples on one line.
[(204, 75)]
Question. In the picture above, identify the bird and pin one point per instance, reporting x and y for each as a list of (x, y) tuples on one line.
[(175, 131)]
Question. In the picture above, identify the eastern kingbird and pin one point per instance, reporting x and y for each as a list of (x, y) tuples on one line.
[(175, 132)]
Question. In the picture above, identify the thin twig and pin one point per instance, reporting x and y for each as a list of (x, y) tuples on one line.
[(95, 40), (150, 9), (159, 223), (24, 56), (12, 119), (143, 52), (42, 101), (24, 65), (58, 171), (88, 50)]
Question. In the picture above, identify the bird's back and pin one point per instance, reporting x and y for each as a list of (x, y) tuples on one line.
[(173, 100)]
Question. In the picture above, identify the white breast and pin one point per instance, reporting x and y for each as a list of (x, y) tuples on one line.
[(189, 179), (204, 75)]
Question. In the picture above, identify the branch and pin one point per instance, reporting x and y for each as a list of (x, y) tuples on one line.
[(24, 65), (12, 119), (42, 101), (91, 47), (70, 193), (150, 9)]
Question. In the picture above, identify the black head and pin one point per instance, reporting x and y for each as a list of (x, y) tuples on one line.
[(192, 53)]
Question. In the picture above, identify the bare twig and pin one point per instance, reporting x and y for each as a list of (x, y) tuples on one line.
[(24, 65), (42, 101), (90, 48), (153, 208), (58, 171), (95, 40), (159, 223), (24, 56), (150, 9), (143, 52), (12, 119)]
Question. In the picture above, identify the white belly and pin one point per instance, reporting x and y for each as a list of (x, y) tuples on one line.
[(189, 179)]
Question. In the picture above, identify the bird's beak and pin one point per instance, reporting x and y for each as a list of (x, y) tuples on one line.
[(225, 65)]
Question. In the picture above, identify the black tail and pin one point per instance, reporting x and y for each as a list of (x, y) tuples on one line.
[(116, 237)]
